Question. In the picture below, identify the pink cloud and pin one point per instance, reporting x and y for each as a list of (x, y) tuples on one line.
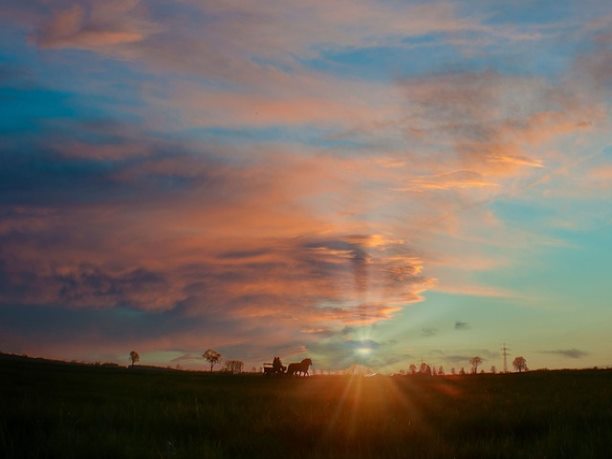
[(276, 239), (93, 25), (251, 252), (602, 173)]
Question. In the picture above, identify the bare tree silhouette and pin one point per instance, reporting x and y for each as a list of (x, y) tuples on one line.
[(520, 364), (462, 371), (475, 362), (413, 369), (134, 357), (441, 370), (212, 356), (493, 369)]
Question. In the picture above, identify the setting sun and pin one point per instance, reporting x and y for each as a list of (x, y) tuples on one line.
[(363, 351)]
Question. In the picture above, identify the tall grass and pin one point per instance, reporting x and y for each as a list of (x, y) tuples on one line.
[(65, 411)]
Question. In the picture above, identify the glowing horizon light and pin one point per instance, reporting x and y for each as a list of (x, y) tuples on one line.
[(363, 350)]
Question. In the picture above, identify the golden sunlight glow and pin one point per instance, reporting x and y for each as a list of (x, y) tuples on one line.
[(363, 350)]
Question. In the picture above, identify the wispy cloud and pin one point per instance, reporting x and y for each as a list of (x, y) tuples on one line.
[(569, 353), (254, 184), (94, 25)]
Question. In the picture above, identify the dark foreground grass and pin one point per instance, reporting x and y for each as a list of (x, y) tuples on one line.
[(66, 411)]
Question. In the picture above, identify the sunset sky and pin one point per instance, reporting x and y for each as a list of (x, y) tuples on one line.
[(353, 181)]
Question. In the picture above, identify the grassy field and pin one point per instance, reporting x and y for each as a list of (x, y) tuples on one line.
[(51, 410)]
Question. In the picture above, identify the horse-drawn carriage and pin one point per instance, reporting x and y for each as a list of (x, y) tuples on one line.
[(277, 368), (274, 368)]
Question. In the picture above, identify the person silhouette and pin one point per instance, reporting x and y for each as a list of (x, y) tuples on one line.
[(277, 366)]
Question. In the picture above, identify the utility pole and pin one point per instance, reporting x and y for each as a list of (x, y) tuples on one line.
[(505, 354)]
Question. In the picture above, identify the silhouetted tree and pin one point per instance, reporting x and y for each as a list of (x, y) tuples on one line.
[(441, 371), (475, 362), (425, 369), (462, 371), (493, 369), (520, 364), (134, 357), (212, 356), (413, 369), (453, 371)]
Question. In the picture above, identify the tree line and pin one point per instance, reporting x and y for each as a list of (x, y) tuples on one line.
[(519, 363), (236, 366), (211, 356)]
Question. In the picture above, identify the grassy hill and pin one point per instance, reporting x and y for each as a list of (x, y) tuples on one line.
[(58, 410)]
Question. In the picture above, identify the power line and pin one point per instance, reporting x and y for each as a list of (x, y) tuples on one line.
[(505, 354)]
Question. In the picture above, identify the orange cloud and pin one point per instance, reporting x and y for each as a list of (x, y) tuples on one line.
[(233, 241), (602, 174), (458, 179), (269, 239)]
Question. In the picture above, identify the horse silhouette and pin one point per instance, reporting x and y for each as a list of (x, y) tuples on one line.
[(299, 368)]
